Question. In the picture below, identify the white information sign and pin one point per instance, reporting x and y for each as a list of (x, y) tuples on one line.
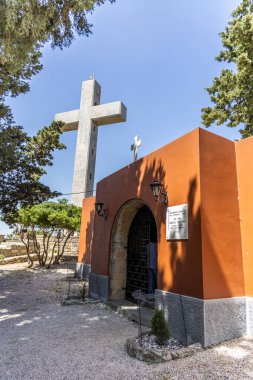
[(177, 222)]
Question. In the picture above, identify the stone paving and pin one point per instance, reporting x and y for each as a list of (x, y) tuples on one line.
[(40, 339)]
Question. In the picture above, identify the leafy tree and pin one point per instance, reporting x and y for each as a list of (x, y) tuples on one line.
[(55, 221), (25, 27), (22, 163), (232, 91)]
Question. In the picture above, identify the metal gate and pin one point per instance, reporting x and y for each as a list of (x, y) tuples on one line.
[(137, 260)]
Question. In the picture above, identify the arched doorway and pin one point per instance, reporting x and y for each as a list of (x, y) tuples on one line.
[(119, 244), (142, 232)]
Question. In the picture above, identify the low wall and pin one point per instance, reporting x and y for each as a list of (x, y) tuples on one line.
[(10, 249), (71, 246), (16, 248)]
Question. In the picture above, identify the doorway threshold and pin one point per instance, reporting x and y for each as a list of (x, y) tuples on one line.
[(130, 310)]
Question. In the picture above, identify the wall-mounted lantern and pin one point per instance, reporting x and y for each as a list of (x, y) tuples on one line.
[(100, 210), (159, 194)]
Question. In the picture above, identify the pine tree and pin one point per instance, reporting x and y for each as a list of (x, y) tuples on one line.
[(22, 164), (25, 27), (159, 327), (232, 91)]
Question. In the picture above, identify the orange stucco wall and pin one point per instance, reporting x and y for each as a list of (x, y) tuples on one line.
[(86, 231), (177, 166), (221, 240), (205, 171), (244, 152)]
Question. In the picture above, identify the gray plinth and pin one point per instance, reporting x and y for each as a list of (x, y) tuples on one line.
[(83, 270), (225, 319), (249, 315), (99, 287), (184, 316), (208, 322)]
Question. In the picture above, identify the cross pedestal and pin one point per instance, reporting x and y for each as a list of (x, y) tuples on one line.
[(86, 120)]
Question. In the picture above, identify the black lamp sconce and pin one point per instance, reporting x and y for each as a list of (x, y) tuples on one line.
[(158, 192), (100, 210)]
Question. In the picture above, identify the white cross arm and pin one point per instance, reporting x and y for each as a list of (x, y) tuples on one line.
[(109, 113), (70, 119)]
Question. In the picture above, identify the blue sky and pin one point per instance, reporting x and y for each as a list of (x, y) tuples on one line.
[(155, 56)]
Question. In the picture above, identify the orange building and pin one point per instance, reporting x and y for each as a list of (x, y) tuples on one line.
[(204, 254)]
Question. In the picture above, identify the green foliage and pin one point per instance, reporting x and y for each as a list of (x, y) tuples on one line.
[(25, 27), (232, 91), (52, 220), (22, 163), (159, 327), (50, 217)]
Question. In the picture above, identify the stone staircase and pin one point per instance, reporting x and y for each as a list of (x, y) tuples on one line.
[(131, 311)]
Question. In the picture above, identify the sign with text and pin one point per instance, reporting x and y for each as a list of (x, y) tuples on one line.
[(177, 222)]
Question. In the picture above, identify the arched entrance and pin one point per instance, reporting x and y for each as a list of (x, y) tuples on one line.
[(134, 227), (142, 232)]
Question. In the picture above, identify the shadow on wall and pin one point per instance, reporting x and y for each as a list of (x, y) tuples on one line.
[(198, 267), (181, 270), (138, 182), (187, 256), (186, 316), (134, 198)]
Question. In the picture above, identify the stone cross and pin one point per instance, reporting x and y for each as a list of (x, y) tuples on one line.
[(135, 146), (86, 120)]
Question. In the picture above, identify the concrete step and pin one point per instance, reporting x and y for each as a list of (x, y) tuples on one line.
[(131, 311)]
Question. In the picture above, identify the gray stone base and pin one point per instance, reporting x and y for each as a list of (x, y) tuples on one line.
[(224, 319), (184, 316), (82, 270), (249, 315), (208, 322), (99, 287)]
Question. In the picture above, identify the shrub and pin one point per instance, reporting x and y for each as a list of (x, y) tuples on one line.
[(159, 327)]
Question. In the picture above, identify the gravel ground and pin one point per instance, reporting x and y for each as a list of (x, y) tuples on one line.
[(40, 339)]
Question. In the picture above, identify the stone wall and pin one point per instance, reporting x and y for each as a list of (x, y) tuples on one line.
[(71, 248), (15, 251), (12, 248)]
